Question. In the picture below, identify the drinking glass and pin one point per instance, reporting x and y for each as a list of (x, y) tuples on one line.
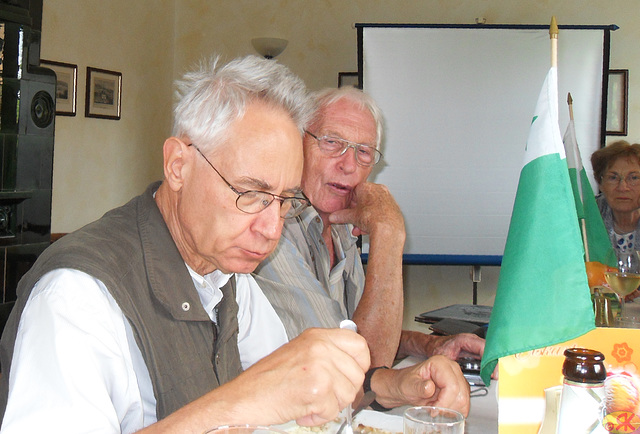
[(624, 281), (431, 420)]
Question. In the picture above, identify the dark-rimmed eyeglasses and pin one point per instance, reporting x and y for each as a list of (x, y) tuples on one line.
[(255, 201), (613, 179), (335, 146)]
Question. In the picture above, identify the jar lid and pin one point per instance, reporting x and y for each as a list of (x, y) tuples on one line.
[(583, 365)]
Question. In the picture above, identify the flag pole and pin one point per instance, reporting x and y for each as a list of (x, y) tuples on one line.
[(533, 308), (583, 222), (553, 35)]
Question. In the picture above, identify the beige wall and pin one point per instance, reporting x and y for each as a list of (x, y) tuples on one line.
[(100, 163), (322, 37)]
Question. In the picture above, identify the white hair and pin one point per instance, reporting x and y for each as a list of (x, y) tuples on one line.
[(210, 99), (325, 97)]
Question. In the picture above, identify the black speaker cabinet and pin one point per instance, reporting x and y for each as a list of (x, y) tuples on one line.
[(27, 166), (27, 122)]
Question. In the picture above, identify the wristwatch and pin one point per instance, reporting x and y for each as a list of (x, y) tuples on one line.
[(367, 387)]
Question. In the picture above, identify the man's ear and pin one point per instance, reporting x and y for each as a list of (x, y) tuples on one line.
[(175, 152)]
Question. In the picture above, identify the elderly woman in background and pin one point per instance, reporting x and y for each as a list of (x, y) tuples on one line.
[(616, 167)]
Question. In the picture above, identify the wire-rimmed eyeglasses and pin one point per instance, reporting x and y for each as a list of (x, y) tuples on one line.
[(613, 179), (255, 201), (335, 146)]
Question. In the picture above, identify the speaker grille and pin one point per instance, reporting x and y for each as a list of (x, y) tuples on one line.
[(43, 109)]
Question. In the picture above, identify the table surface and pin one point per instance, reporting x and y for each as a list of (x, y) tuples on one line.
[(483, 414)]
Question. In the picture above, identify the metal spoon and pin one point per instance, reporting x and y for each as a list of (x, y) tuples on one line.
[(366, 400), (349, 325)]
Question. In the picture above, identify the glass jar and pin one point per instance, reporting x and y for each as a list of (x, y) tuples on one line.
[(582, 400)]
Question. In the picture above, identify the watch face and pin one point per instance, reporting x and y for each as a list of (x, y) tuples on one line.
[(469, 365), (471, 370)]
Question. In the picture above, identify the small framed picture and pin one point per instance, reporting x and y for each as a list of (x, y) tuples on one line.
[(348, 79), (66, 86), (104, 94), (617, 104)]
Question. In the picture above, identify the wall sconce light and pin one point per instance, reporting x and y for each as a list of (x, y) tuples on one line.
[(269, 47)]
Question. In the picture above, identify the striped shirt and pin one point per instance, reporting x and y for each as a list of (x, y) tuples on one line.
[(298, 281)]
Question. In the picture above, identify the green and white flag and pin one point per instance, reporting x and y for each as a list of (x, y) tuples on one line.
[(543, 296), (597, 239)]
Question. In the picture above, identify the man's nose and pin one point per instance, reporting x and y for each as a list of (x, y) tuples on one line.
[(269, 222), (348, 162)]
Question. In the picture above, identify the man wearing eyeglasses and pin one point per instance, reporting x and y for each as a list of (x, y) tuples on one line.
[(315, 277), (140, 320)]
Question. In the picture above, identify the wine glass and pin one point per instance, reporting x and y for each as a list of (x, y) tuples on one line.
[(624, 281), (629, 262)]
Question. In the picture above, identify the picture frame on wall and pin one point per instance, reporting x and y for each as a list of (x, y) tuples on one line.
[(104, 94), (617, 104), (348, 79), (66, 86)]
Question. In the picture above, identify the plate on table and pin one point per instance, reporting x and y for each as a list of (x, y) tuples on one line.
[(365, 422)]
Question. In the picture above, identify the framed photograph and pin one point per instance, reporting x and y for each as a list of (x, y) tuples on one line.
[(348, 79), (617, 104), (66, 86), (104, 94)]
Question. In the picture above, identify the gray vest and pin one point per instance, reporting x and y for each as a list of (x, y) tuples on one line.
[(131, 251)]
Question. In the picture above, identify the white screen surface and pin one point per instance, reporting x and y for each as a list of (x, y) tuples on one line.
[(457, 104)]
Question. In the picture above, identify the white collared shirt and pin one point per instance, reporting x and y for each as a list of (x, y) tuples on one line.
[(76, 365)]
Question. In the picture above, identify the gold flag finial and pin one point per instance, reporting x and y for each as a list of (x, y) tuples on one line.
[(553, 28)]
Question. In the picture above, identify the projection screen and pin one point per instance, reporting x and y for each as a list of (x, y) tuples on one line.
[(458, 102)]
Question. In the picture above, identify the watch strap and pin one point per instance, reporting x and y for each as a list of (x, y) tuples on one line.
[(367, 387)]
